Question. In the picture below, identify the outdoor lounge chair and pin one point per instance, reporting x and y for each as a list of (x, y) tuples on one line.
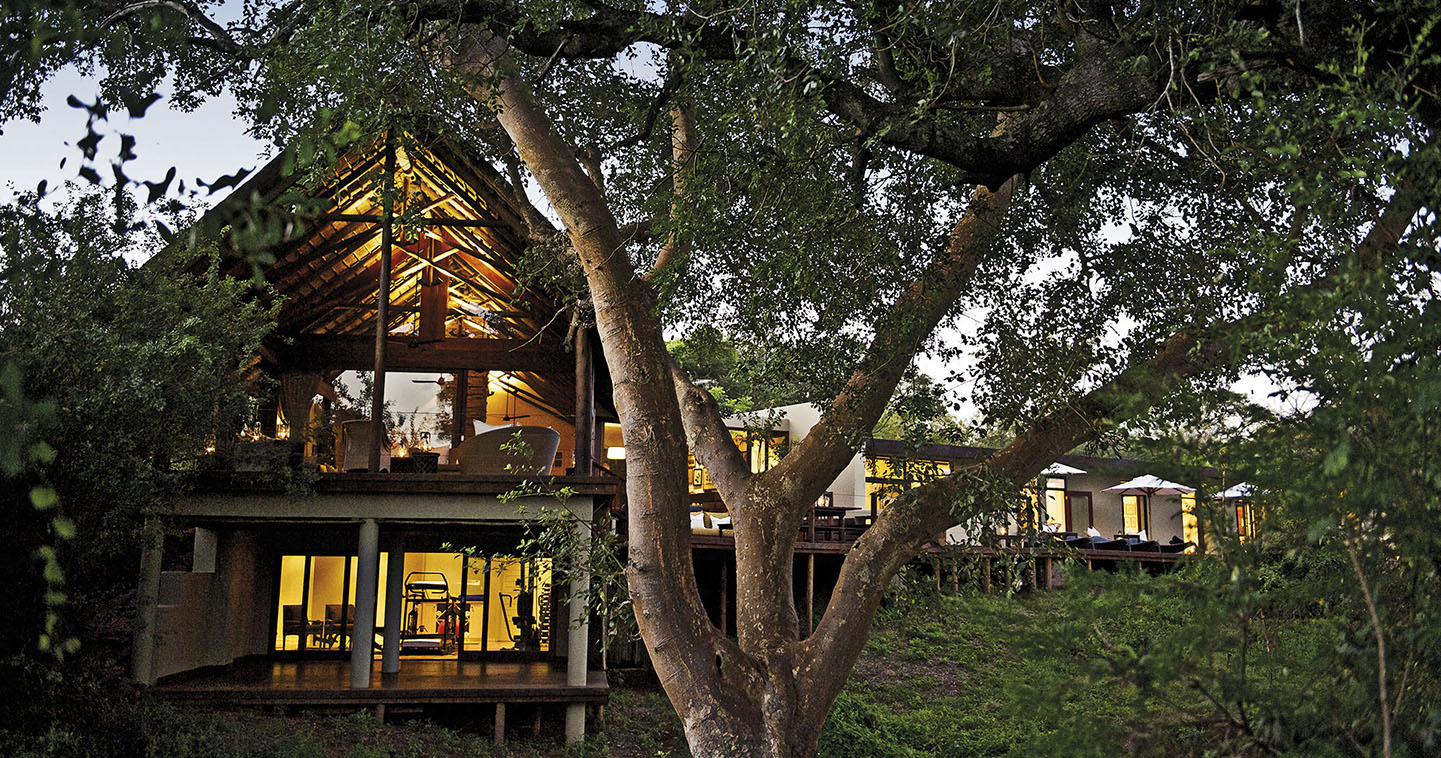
[(1078, 543), (1176, 546), (1101, 543), (483, 453)]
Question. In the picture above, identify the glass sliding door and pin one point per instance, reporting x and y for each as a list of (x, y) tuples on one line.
[(316, 602), (1133, 514), (1078, 512)]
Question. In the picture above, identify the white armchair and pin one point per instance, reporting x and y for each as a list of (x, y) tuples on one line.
[(482, 454)]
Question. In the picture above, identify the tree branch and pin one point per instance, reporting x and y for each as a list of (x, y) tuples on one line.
[(217, 33), (687, 649), (816, 460), (683, 151), (709, 439), (903, 528)]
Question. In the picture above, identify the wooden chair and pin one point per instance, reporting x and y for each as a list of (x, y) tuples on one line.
[(338, 624), (293, 621)]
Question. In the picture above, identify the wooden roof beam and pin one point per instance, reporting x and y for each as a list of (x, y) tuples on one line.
[(356, 352)]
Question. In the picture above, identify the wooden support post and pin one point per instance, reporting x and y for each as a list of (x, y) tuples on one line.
[(462, 388), (986, 577), (499, 738), (380, 713), (394, 599), (584, 403), (382, 310), (434, 299), (810, 593)]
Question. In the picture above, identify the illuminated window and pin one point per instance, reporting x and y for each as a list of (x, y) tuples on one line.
[(1245, 526), (316, 608), (759, 451), (887, 478)]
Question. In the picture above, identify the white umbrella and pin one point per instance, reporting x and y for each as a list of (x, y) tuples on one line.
[(1242, 490), (1061, 469), (1150, 485)]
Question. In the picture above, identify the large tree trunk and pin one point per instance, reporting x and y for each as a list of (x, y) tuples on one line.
[(767, 692)]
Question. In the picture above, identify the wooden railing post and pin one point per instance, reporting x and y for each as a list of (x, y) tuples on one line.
[(382, 309)]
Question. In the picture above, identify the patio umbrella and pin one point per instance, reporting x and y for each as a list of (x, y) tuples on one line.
[(1242, 490), (1061, 469), (1150, 485)]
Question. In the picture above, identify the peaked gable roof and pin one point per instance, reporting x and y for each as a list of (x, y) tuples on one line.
[(457, 243)]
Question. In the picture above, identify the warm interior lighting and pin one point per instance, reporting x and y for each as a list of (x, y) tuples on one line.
[(615, 453)]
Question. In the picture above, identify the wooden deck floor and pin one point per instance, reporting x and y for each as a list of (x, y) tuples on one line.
[(271, 682)]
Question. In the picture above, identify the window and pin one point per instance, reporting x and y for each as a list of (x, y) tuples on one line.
[(1245, 525), (1048, 510), (760, 452)]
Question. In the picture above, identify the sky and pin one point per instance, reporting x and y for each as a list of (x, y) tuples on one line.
[(206, 143)]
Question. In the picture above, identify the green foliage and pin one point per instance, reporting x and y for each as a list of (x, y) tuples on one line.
[(920, 414), (741, 376), (142, 367)]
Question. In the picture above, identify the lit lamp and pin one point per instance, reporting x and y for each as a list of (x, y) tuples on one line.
[(615, 453), (425, 442), (282, 431)]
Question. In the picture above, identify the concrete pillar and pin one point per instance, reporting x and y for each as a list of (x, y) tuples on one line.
[(147, 601), (577, 645), (203, 555), (366, 577), (394, 598), (217, 621)]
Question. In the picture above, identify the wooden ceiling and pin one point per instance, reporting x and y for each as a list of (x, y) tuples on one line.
[(456, 301)]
